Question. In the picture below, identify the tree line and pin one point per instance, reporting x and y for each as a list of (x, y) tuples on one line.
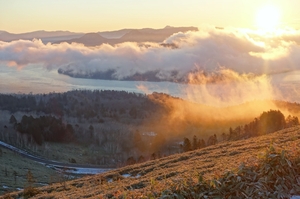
[(268, 122), (84, 104), (44, 128)]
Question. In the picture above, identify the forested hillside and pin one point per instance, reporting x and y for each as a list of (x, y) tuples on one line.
[(115, 128)]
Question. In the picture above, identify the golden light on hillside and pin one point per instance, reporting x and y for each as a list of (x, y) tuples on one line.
[(268, 17)]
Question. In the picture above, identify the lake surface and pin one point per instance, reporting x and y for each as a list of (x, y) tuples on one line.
[(37, 79)]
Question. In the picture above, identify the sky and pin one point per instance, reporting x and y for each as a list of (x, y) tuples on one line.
[(19, 16)]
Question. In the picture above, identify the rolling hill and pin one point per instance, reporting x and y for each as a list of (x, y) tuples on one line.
[(259, 167)]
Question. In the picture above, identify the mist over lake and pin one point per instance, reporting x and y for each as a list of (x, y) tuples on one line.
[(36, 79)]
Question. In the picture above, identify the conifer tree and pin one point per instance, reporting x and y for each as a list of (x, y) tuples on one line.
[(195, 143), (186, 144)]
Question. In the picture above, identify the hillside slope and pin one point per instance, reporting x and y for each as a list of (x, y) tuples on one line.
[(151, 178), (13, 170)]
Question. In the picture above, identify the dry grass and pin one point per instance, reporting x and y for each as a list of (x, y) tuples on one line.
[(151, 178)]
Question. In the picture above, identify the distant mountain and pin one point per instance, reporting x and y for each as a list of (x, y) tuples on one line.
[(114, 34), (95, 39), (143, 36), (169, 30), (89, 39), (50, 36), (129, 35), (117, 34)]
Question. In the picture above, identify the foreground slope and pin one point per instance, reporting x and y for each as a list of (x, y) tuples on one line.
[(14, 168), (151, 178)]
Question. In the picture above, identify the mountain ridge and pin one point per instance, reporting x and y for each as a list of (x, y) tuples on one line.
[(97, 38), (39, 34), (129, 35)]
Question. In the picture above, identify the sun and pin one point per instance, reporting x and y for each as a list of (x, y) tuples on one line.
[(268, 17)]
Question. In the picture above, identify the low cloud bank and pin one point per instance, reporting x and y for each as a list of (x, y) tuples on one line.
[(230, 63), (243, 51)]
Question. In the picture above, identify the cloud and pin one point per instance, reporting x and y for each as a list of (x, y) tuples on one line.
[(239, 50), (226, 87), (234, 60), (143, 88)]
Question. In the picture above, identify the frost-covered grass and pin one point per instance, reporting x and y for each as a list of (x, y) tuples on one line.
[(13, 170), (186, 174)]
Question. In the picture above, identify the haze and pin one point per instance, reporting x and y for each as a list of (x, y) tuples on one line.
[(92, 16)]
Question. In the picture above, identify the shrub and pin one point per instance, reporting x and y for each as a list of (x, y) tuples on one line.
[(275, 177)]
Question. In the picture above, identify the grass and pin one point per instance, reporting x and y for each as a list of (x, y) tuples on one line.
[(13, 170), (62, 152), (180, 174)]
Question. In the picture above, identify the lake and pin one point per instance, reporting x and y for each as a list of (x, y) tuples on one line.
[(36, 79)]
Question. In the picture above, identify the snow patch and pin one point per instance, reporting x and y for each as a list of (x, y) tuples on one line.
[(130, 176), (43, 184), (126, 175), (83, 171), (138, 175), (295, 197)]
